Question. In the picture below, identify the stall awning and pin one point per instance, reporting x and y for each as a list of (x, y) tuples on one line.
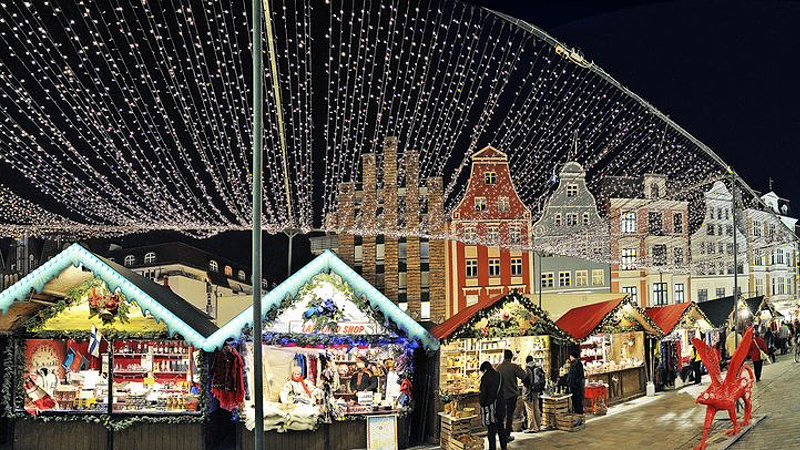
[(583, 321), (164, 305), (719, 310), (669, 316), (328, 262), (449, 326)]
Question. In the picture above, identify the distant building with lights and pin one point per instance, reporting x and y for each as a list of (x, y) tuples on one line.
[(23, 255), (492, 225)]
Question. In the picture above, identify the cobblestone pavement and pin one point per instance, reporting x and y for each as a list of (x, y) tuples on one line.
[(673, 420)]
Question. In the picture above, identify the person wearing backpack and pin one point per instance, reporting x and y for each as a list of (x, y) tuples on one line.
[(532, 387)]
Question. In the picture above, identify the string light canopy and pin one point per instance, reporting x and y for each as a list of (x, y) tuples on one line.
[(127, 116)]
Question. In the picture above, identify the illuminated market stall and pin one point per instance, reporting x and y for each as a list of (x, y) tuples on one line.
[(679, 322), (102, 357), (612, 337), (339, 359), (482, 332)]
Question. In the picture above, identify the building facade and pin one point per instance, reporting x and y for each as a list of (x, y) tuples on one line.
[(571, 238), (23, 255), (712, 256), (215, 285), (492, 224), (649, 241), (380, 221)]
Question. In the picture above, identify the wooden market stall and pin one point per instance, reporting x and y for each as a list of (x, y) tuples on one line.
[(101, 357), (612, 335), (482, 332), (679, 322), (340, 362)]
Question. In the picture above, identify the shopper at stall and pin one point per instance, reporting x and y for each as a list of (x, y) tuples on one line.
[(757, 346), (576, 383), (510, 372), (532, 387), (298, 389), (490, 398), (695, 361), (363, 379)]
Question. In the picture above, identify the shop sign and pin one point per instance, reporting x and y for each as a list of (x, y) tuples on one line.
[(350, 328)]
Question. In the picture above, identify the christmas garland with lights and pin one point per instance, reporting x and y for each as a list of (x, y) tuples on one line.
[(611, 323)]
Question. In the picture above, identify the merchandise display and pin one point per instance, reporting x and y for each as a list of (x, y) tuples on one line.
[(612, 352)]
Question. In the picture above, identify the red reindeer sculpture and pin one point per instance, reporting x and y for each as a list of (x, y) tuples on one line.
[(724, 395)]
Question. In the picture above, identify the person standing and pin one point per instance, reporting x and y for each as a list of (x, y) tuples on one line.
[(510, 372), (757, 346), (576, 383), (531, 389), (696, 360), (492, 408)]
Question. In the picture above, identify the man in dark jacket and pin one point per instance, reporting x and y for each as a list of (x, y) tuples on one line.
[(576, 383), (490, 394), (510, 372)]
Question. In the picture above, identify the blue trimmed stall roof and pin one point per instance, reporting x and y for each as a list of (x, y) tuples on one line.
[(325, 262), (164, 305)]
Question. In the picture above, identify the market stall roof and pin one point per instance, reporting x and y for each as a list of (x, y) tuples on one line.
[(327, 262), (720, 309), (467, 317), (54, 278), (761, 303), (557, 304), (583, 321), (668, 317)]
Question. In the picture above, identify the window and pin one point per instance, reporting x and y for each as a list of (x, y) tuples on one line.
[(659, 255), (677, 223), (757, 229), (516, 266), (628, 222), (655, 223), (472, 268), (557, 220), (228, 271), (711, 248), (632, 292), (678, 256), (727, 213), (129, 260), (660, 294), (759, 286), (493, 235), (729, 248), (514, 235), (503, 205), (680, 294), (490, 177), (721, 248), (779, 256), (241, 275), (771, 231), (572, 219), (149, 257), (628, 259), (598, 277), (654, 191), (758, 256), (564, 279), (778, 287), (720, 292), (494, 267), (728, 229), (581, 278), (710, 229), (425, 310), (547, 280), (702, 295), (572, 190), (585, 219), (469, 234), (213, 266), (480, 204)]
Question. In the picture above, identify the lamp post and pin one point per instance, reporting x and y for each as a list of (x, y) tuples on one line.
[(735, 260)]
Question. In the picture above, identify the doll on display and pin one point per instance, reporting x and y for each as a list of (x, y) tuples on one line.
[(298, 389)]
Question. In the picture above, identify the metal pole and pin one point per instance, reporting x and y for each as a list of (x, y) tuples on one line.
[(258, 131), (290, 235), (540, 278), (735, 261)]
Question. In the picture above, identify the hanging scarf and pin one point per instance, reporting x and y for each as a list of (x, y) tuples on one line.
[(227, 378), (302, 382)]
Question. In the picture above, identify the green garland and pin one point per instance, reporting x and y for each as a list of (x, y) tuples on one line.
[(121, 310), (610, 323)]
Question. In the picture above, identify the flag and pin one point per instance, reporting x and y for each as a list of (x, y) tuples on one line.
[(94, 342)]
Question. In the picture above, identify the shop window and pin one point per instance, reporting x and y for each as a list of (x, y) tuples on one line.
[(702, 295), (581, 278), (680, 293), (628, 259), (564, 279), (150, 257), (659, 294), (471, 268), (628, 222), (572, 190), (490, 177), (547, 280), (494, 267), (480, 204), (516, 266), (677, 223), (633, 293), (129, 260), (213, 266), (503, 205), (598, 277)]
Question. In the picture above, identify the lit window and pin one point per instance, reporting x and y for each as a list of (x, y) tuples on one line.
[(494, 267), (581, 278), (490, 177), (213, 266), (628, 222), (572, 190), (564, 279), (480, 204), (472, 268), (680, 294), (129, 260), (633, 293), (503, 204), (547, 280), (628, 258), (660, 294), (150, 258), (516, 266), (425, 310), (598, 277)]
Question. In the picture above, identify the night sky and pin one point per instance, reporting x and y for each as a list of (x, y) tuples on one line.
[(726, 71)]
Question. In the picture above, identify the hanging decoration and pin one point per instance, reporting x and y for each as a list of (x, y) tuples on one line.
[(108, 306)]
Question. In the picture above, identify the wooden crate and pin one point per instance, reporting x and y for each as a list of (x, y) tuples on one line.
[(474, 444), (553, 409), (566, 422), (450, 427)]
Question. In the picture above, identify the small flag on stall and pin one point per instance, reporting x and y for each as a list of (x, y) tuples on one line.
[(94, 342)]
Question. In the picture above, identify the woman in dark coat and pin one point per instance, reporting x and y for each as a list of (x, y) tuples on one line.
[(576, 383), (492, 406)]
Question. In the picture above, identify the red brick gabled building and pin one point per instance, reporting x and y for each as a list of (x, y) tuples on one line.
[(490, 212)]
